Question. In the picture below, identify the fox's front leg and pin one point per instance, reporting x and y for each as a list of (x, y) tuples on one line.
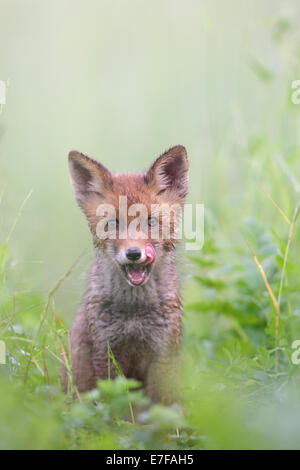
[(163, 379), (103, 365), (81, 357)]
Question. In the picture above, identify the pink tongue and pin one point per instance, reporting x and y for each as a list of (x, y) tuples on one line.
[(136, 274), (150, 253)]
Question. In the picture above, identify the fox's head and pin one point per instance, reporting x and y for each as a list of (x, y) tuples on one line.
[(134, 218)]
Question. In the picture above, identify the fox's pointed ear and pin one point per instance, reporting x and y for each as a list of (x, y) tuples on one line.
[(169, 172), (89, 178)]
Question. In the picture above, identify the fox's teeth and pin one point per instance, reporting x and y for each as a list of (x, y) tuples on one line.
[(136, 274)]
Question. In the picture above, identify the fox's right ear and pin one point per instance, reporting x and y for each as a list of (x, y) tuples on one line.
[(89, 179), (169, 173)]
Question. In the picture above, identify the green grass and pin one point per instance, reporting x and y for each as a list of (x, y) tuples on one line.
[(240, 388)]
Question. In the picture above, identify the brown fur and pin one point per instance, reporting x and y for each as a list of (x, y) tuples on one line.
[(142, 324)]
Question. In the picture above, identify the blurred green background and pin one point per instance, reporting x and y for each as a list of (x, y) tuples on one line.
[(122, 81)]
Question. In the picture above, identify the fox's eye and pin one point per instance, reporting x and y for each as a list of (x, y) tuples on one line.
[(152, 221), (112, 224)]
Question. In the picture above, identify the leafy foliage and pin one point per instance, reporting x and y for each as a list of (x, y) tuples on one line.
[(240, 387)]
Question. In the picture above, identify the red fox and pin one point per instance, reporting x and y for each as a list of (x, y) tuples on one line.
[(132, 305)]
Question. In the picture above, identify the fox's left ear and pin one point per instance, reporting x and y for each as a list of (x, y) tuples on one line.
[(169, 172), (90, 180)]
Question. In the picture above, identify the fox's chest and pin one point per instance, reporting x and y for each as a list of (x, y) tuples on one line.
[(139, 328)]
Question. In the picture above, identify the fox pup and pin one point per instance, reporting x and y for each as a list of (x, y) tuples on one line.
[(132, 304)]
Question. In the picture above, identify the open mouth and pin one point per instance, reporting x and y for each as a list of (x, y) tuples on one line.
[(137, 274)]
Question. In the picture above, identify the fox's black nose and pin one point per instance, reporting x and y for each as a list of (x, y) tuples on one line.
[(133, 254)]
